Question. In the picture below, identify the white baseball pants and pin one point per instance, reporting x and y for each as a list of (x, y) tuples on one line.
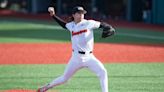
[(79, 61)]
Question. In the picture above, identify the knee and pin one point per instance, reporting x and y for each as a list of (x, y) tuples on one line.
[(64, 79), (103, 73)]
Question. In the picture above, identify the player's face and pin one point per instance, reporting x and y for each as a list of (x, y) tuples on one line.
[(78, 16)]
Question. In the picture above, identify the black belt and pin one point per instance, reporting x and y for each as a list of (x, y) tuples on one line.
[(82, 52)]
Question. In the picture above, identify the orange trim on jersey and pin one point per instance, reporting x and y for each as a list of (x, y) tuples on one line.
[(79, 32)]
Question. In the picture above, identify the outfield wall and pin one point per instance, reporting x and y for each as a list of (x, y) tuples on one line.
[(157, 12)]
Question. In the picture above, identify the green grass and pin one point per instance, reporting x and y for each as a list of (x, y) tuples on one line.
[(28, 31), (128, 77)]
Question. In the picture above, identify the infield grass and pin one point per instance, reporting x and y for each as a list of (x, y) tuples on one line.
[(128, 77)]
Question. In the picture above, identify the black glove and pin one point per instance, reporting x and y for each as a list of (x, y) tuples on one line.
[(107, 32)]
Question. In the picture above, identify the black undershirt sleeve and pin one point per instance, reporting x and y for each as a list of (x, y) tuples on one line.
[(61, 22)]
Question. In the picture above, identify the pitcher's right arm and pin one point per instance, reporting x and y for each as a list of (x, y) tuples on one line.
[(60, 21)]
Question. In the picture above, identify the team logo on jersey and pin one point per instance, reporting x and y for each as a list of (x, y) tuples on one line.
[(79, 32)]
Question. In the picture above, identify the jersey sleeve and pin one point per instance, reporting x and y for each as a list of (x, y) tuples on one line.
[(94, 24)]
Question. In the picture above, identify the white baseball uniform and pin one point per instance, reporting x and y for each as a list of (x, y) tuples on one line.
[(83, 41)]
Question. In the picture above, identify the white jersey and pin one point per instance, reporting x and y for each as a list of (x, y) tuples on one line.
[(82, 34)]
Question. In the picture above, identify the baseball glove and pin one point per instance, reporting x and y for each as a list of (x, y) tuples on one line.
[(107, 32)]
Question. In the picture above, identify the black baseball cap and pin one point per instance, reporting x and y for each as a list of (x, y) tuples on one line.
[(78, 9)]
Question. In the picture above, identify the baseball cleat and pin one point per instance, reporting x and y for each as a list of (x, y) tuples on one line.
[(43, 89)]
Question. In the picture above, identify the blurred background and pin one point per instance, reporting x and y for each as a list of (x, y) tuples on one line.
[(148, 11)]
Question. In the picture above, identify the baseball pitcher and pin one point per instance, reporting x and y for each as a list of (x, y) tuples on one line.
[(82, 47)]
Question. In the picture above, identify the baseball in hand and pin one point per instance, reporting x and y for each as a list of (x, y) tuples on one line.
[(50, 9)]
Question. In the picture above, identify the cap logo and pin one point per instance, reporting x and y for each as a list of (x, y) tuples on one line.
[(80, 8)]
